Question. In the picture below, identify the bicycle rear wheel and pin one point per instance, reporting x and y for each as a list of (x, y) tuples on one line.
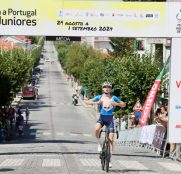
[(102, 155), (107, 156)]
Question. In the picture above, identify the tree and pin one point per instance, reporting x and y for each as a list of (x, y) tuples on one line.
[(131, 75), (15, 68), (121, 46)]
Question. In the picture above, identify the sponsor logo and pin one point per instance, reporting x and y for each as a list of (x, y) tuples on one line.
[(94, 14), (178, 16), (128, 15), (178, 84), (135, 15), (149, 102), (178, 107), (178, 126), (113, 14), (178, 26), (60, 13), (120, 14), (141, 15), (149, 15), (101, 14)]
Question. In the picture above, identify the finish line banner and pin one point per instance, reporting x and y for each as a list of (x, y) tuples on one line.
[(90, 18)]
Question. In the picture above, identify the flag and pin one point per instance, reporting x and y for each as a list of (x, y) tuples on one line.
[(152, 94)]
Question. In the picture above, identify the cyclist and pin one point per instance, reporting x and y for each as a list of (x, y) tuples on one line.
[(106, 103)]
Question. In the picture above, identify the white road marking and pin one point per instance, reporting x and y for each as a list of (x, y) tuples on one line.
[(51, 163), (87, 135), (60, 133), (46, 133), (72, 134), (132, 165), (171, 166), (39, 132), (11, 162), (90, 162), (100, 171)]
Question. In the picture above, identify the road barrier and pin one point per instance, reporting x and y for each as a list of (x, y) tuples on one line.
[(152, 137)]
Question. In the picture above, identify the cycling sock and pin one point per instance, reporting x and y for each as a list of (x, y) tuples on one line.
[(99, 141)]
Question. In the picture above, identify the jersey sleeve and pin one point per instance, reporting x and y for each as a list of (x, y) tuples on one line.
[(95, 99), (116, 99)]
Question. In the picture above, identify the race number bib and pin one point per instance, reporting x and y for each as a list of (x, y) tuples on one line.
[(107, 104)]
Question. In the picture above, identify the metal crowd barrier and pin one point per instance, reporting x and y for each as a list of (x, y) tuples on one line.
[(152, 137)]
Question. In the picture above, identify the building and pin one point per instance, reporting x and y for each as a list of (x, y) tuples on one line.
[(98, 43), (7, 45), (159, 46), (21, 41)]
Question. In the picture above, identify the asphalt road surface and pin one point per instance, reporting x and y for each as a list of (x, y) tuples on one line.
[(60, 137)]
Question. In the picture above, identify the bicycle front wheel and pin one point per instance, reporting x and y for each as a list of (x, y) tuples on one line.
[(108, 155), (102, 156)]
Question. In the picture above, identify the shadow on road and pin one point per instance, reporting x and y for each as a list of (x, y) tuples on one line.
[(141, 155), (131, 170), (6, 170), (75, 153)]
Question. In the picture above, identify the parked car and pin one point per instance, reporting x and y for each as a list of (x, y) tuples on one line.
[(29, 92)]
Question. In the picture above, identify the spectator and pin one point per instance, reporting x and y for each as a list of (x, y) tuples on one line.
[(19, 110), (136, 121), (131, 122), (11, 117), (123, 124), (163, 116), (116, 123), (27, 113)]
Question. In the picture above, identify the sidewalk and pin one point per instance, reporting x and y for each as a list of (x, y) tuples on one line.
[(16, 101)]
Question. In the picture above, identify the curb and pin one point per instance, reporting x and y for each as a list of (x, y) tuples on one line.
[(16, 101)]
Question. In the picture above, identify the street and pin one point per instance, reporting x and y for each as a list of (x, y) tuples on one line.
[(60, 138)]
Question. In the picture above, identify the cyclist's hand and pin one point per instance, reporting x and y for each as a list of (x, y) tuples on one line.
[(100, 102)]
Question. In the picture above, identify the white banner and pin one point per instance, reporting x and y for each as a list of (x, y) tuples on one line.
[(90, 18), (174, 19), (175, 93)]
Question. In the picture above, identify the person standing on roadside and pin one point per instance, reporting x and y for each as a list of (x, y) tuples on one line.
[(123, 124), (27, 113)]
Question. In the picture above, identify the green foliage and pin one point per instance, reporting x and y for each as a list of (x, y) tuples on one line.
[(34, 39), (121, 46), (131, 76), (15, 68)]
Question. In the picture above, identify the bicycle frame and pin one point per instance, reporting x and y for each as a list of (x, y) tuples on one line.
[(106, 154)]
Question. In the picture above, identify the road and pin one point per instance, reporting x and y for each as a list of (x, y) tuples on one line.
[(60, 137)]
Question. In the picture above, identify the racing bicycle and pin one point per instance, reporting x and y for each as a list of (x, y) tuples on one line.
[(105, 154)]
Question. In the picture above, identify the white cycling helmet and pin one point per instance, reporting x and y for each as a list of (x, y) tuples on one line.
[(107, 84)]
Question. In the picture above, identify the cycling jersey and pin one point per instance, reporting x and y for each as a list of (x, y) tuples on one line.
[(106, 111), (106, 108)]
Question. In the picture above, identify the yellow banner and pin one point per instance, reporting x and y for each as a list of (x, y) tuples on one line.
[(85, 18)]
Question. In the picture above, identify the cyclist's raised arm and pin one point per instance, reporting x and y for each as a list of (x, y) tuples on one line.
[(94, 101)]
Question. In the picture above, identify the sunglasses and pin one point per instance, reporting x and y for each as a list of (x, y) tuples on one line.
[(107, 87)]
